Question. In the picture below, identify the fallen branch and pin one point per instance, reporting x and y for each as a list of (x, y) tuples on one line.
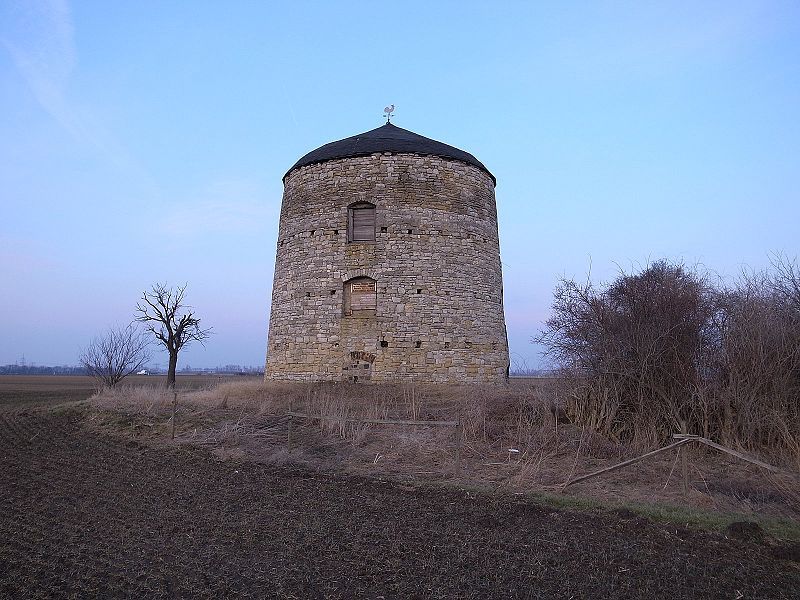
[(683, 438), (737, 454), (373, 421), (624, 463)]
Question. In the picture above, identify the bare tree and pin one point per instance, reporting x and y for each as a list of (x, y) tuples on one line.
[(172, 322), (115, 355)]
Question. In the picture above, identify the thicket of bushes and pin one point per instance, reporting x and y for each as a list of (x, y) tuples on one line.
[(671, 349)]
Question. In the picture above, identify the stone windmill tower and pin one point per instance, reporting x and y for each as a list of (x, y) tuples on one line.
[(388, 265)]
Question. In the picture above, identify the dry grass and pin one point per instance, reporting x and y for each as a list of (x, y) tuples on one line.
[(513, 438)]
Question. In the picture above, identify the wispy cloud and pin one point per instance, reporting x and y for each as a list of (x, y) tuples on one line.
[(40, 37)]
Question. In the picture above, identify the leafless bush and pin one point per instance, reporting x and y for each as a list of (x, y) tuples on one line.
[(667, 350), (636, 349), (114, 355), (758, 385)]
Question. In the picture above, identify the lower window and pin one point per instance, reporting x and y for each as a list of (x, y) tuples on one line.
[(360, 296)]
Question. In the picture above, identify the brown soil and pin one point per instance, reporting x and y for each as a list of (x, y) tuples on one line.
[(17, 391), (84, 514)]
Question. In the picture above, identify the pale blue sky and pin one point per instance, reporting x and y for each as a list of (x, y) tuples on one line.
[(146, 141)]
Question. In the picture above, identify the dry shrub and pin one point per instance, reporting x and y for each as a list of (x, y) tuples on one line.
[(525, 418), (666, 350), (343, 406), (758, 386), (634, 349)]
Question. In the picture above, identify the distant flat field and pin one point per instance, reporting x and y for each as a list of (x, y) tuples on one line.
[(18, 391)]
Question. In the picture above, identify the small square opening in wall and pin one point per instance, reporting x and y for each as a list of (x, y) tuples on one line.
[(333, 292), (410, 231), (335, 232), (313, 231), (384, 344), (417, 344), (419, 290), (384, 229)]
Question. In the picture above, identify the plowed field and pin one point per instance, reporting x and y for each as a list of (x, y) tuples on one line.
[(83, 514)]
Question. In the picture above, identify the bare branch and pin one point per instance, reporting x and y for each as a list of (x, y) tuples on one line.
[(115, 355), (171, 322)]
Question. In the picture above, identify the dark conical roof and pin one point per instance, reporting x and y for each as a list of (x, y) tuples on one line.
[(387, 138)]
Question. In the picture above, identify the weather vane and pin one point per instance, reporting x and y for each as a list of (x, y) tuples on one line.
[(387, 112)]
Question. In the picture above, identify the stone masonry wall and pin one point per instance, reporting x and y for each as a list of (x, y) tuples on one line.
[(436, 260)]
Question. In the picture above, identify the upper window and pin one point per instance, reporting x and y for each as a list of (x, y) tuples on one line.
[(361, 222)]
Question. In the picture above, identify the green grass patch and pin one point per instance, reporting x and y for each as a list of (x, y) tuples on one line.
[(783, 529)]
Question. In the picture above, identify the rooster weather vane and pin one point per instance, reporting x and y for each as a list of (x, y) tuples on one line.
[(388, 112)]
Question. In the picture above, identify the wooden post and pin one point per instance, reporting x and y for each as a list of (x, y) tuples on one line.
[(685, 468), (174, 410), (459, 436), (684, 458), (289, 429)]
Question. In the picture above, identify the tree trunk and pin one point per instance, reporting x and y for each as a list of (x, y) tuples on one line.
[(173, 363)]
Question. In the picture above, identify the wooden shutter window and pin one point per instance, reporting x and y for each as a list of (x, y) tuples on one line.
[(362, 224), (362, 295)]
